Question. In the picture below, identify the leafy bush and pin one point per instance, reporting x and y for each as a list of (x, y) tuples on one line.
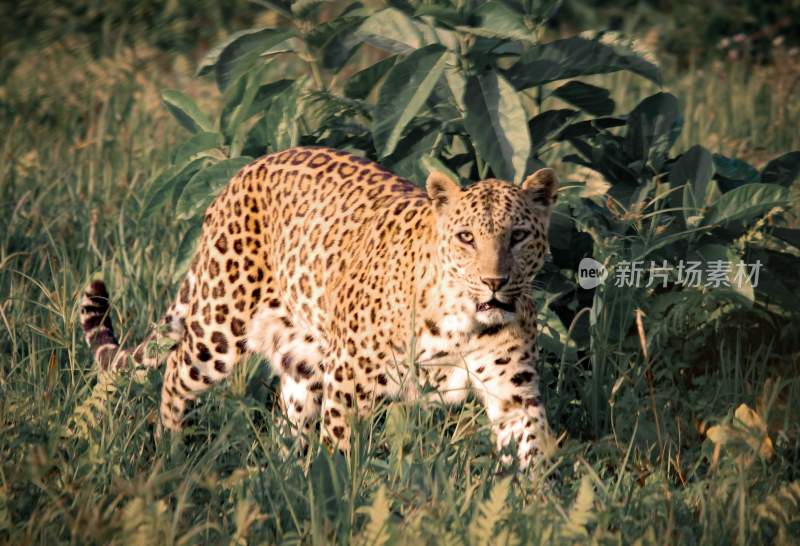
[(462, 87)]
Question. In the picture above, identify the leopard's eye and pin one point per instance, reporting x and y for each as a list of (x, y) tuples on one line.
[(519, 235), (466, 237)]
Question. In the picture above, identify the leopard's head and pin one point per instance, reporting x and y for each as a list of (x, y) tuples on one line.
[(492, 239)]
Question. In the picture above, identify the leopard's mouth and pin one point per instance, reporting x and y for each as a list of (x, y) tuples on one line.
[(494, 303)]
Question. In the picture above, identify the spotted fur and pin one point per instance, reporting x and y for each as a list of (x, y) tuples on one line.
[(357, 286)]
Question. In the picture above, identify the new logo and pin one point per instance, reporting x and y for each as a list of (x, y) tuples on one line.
[(591, 273)]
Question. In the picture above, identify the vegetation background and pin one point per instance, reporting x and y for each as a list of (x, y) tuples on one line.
[(679, 409)]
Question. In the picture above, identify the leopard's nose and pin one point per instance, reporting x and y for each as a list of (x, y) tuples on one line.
[(495, 283)]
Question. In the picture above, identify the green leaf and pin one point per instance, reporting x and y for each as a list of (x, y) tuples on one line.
[(205, 184), (377, 531), (394, 31), (407, 87), (548, 124), (791, 236), (497, 20), (694, 168), (554, 337), (185, 252), (165, 185), (581, 514), (732, 173), (430, 164), (489, 513), (782, 170), (653, 127), (199, 142), (721, 258), (406, 160), (186, 111), (233, 96), (448, 15), (497, 124), (209, 60), (240, 54), (540, 11), (456, 81), (239, 100), (746, 202), (337, 39), (282, 118), (360, 84), (575, 56), (589, 98), (266, 95)]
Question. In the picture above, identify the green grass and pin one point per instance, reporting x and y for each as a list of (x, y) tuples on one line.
[(78, 462)]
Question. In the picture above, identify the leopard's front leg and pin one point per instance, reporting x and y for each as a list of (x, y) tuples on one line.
[(505, 379)]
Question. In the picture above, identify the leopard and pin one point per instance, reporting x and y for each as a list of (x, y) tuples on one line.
[(358, 287)]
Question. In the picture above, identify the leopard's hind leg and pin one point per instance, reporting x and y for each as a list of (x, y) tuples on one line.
[(213, 342), (297, 358)]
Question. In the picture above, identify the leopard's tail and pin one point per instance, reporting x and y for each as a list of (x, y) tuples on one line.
[(99, 333)]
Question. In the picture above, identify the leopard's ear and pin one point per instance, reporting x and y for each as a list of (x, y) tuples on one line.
[(442, 190), (542, 187)]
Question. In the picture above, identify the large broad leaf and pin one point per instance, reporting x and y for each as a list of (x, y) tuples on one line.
[(782, 170), (394, 31), (165, 184), (604, 153), (746, 202), (591, 127), (548, 124), (694, 168), (653, 127), (456, 81), (724, 270), (240, 54), (406, 161), (282, 118), (407, 87), (239, 100), (266, 95), (199, 142), (205, 184), (732, 173), (430, 163), (337, 39), (449, 16), (575, 56), (360, 84), (186, 249), (496, 19), (589, 98), (554, 337), (497, 124), (791, 236), (186, 111), (278, 129), (209, 60)]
